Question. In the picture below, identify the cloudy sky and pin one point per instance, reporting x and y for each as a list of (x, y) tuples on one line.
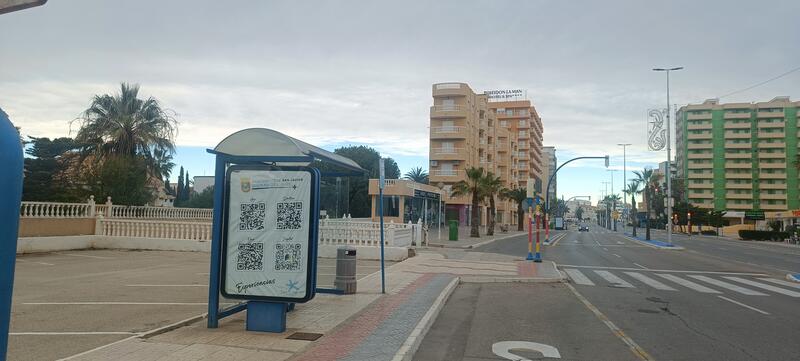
[(360, 72)]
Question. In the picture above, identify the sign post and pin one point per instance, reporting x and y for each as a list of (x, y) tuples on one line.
[(530, 192), (381, 181), (538, 256), (11, 184)]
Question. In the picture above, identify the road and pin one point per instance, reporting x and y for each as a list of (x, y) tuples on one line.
[(716, 300)]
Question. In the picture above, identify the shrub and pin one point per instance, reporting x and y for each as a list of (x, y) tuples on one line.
[(763, 235), (709, 232)]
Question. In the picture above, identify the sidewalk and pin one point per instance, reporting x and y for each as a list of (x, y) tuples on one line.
[(364, 326), (465, 241)]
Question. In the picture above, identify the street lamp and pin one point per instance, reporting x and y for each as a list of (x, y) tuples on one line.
[(669, 153), (624, 175)]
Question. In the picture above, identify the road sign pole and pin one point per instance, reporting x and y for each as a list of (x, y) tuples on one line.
[(530, 234), (538, 256), (380, 202)]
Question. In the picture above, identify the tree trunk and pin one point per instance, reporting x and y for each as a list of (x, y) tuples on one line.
[(490, 217), (476, 217), (647, 218), (520, 217), (635, 216)]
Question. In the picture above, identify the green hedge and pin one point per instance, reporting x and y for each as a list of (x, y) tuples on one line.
[(763, 235), (709, 232)]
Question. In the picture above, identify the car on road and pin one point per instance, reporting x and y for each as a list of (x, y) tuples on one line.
[(583, 228)]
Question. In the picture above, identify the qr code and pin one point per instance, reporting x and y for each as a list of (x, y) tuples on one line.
[(287, 256), (251, 257), (290, 215), (253, 216)]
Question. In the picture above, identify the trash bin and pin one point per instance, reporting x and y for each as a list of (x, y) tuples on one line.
[(345, 269), (453, 230)]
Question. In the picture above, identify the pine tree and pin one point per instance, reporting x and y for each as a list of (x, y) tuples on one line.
[(186, 194), (179, 190)]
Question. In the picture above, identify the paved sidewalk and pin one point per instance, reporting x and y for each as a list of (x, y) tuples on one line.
[(364, 326), (465, 241)]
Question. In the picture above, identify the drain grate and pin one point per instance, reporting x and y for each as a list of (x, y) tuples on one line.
[(304, 336)]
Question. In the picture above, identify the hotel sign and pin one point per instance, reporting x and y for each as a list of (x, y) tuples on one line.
[(506, 95)]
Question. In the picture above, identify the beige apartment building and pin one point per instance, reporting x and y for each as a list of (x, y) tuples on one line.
[(740, 156), (469, 130)]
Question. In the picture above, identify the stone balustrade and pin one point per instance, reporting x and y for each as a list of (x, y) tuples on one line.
[(110, 210), (115, 227), (56, 210)]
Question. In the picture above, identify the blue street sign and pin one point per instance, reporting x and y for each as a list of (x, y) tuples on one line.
[(529, 201)]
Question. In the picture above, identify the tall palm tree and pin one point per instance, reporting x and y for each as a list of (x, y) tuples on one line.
[(125, 125), (474, 185), (492, 186), (518, 195), (418, 175), (649, 181), (633, 188), (614, 198), (162, 166)]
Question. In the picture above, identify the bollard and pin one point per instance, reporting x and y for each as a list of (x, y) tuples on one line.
[(10, 195), (346, 270)]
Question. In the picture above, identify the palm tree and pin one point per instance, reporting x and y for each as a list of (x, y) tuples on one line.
[(418, 175), (474, 186), (125, 125), (649, 182), (614, 198), (518, 195), (162, 167), (492, 186), (633, 188)]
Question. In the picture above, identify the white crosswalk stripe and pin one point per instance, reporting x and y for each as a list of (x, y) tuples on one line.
[(650, 282), (578, 277), (688, 284), (782, 282), (611, 278), (765, 286), (730, 286)]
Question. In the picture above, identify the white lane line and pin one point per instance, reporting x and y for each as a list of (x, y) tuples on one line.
[(743, 305), (202, 274), (688, 284), (115, 303), (579, 277), (147, 285), (605, 249), (611, 278), (650, 282), (70, 333), (730, 286), (598, 243), (666, 270), (643, 267), (765, 286), (781, 282), (618, 256), (83, 255)]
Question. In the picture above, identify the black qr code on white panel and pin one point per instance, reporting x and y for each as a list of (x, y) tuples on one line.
[(290, 215), (250, 257), (288, 256), (252, 216)]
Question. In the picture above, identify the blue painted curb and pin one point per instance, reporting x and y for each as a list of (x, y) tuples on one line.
[(655, 243), (793, 277)]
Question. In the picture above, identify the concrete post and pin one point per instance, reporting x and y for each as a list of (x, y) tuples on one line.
[(92, 206), (98, 225), (108, 207)]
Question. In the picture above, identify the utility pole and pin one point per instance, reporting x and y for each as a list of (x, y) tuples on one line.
[(669, 157)]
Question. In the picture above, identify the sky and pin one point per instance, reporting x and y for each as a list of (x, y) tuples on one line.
[(335, 73)]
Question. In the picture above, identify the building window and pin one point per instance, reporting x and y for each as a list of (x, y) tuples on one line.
[(391, 206)]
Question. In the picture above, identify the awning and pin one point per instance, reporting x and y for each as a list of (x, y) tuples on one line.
[(267, 143)]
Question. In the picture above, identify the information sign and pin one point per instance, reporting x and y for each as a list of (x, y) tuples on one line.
[(754, 215), (269, 236)]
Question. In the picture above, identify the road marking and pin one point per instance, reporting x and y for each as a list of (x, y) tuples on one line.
[(765, 286), (743, 305), (579, 277), (503, 349), (598, 243), (611, 278), (115, 303), (69, 333), (665, 270), (26, 261), (730, 286), (83, 255), (145, 285), (650, 282), (605, 249), (632, 345), (688, 284), (782, 282), (643, 267), (618, 256)]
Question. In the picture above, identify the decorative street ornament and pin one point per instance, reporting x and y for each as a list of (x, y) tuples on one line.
[(656, 133)]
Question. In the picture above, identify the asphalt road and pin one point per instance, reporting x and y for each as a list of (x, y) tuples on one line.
[(69, 302), (703, 303)]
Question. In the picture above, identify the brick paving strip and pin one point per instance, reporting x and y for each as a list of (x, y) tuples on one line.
[(380, 331)]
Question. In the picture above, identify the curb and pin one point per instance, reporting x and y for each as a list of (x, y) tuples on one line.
[(489, 279), (409, 348), (482, 243), (674, 248), (793, 277)]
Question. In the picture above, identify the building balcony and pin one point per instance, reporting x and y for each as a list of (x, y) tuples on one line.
[(449, 132), (701, 204), (701, 186), (448, 111), (738, 155), (735, 165), (732, 195), (770, 114), (732, 135), (704, 175), (737, 175), (765, 135), (700, 136), (699, 126), (772, 165), (443, 175), (732, 125), (770, 125), (704, 165), (700, 145), (730, 115), (732, 145), (772, 196), (449, 154), (450, 89), (707, 155), (772, 186), (772, 175), (692, 116), (763, 145), (745, 206), (525, 135), (701, 195), (738, 186), (773, 207), (776, 155)]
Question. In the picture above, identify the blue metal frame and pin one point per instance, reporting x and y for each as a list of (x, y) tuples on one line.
[(10, 197)]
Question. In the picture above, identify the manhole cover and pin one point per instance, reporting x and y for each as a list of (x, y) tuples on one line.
[(304, 336)]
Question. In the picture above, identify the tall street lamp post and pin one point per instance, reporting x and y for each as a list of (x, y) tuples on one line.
[(669, 156), (614, 199), (624, 175)]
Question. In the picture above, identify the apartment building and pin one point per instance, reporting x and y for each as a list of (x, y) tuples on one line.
[(468, 130), (549, 168), (739, 156)]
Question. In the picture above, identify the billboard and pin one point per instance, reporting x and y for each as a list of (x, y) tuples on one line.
[(504, 95)]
